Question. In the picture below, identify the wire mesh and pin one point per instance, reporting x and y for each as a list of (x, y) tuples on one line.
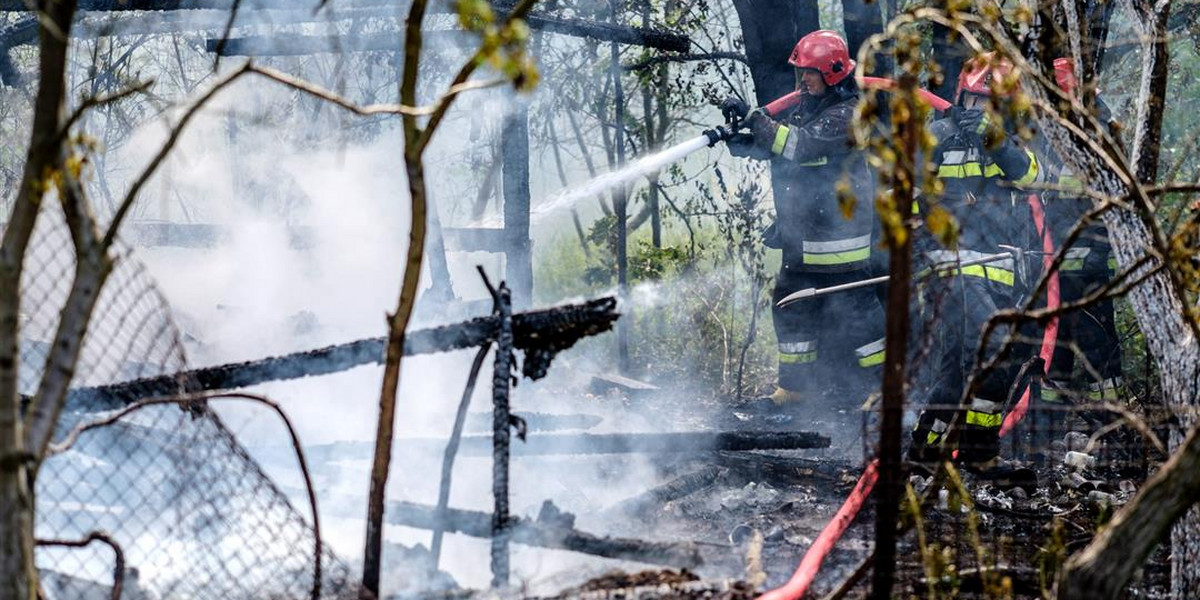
[(195, 516)]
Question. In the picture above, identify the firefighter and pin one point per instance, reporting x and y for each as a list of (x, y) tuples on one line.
[(833, 342), (978, 163), (1090, 333)]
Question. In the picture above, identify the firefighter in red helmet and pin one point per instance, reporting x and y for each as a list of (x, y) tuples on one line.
[(1088, 337), (980, 166), (832, 343)]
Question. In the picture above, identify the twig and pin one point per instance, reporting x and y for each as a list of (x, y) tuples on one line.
[(371, 109), (233, 12), (98, 101), (852, 580), (72, 436), (679, 58), (98, 536), (435, 547)]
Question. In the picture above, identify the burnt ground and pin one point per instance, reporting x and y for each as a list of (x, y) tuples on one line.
[(1002, 543)]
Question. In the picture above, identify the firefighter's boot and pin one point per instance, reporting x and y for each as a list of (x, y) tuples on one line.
[(926, 447), (783, 397), (979, 442)]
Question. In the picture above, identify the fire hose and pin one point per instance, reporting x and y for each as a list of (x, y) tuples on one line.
[(797, 586), (784, 103)]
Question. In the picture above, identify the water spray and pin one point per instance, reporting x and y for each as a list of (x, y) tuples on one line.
[(707, 139)]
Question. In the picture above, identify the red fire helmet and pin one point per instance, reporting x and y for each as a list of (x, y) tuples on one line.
[(978, 73), (1064, 74), (824, 51)]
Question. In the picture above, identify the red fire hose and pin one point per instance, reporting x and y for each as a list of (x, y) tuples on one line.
[(782, 104), (1050, 336), (806, 572)]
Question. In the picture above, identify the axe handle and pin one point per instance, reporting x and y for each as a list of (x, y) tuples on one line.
[(833, 289)]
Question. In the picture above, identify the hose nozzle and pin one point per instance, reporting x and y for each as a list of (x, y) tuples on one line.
[(717, 134)]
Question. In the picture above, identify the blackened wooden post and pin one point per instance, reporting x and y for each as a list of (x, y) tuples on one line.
[(500, 419), (514, 146)]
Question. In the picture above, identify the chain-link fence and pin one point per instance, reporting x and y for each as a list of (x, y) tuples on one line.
[(195, 516)]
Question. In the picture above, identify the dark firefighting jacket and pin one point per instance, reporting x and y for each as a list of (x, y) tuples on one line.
[(978, 191), (1066, 203), (814, 152)]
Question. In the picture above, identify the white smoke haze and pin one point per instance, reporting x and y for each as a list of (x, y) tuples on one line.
[(269, 168), (257, 294)]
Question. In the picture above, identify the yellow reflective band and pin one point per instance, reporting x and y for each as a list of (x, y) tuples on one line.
[(1069, 183), (1071, 265), (984, 419), (916, 208), (1049, 395), (871, 359), (993, 170), (990, 273), (796, 359), (837, 258), (1112, 263), (780, 139), (971, 169), (1032, 173), (932, 438), (1104, 394)]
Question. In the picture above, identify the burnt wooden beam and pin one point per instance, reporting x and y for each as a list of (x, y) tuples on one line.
[(304, 45), (532, 533), (677, 488), (687, 442), (297, 45), (653, 443), (540, 334)]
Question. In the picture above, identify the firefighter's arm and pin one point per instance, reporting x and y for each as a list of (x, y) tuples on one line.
[(1019, 165), (826, 136)]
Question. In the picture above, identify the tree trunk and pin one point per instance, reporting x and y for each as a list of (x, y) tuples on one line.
[(18, 576), (907, 124), (770, 29)]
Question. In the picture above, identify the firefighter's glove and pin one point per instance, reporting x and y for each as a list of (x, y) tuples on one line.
[(742, 145), (734, 109), (764, 129), (975, 121)]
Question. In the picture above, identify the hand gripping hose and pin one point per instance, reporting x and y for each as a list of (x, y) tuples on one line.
[(806, 572)]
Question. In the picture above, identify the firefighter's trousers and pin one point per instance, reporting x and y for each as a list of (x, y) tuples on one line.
[(1086, 366), (1088, 336), (954, 309), (828, 343)]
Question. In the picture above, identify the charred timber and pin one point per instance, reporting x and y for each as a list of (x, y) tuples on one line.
[(299, 45), (654, 443), (677, 488), (540, 335), (588, 443), (531, 533)]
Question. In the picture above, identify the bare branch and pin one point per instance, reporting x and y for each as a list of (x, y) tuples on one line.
[(98, 101), (371, 109), (73, 436), (685, 58), (98, 536)]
